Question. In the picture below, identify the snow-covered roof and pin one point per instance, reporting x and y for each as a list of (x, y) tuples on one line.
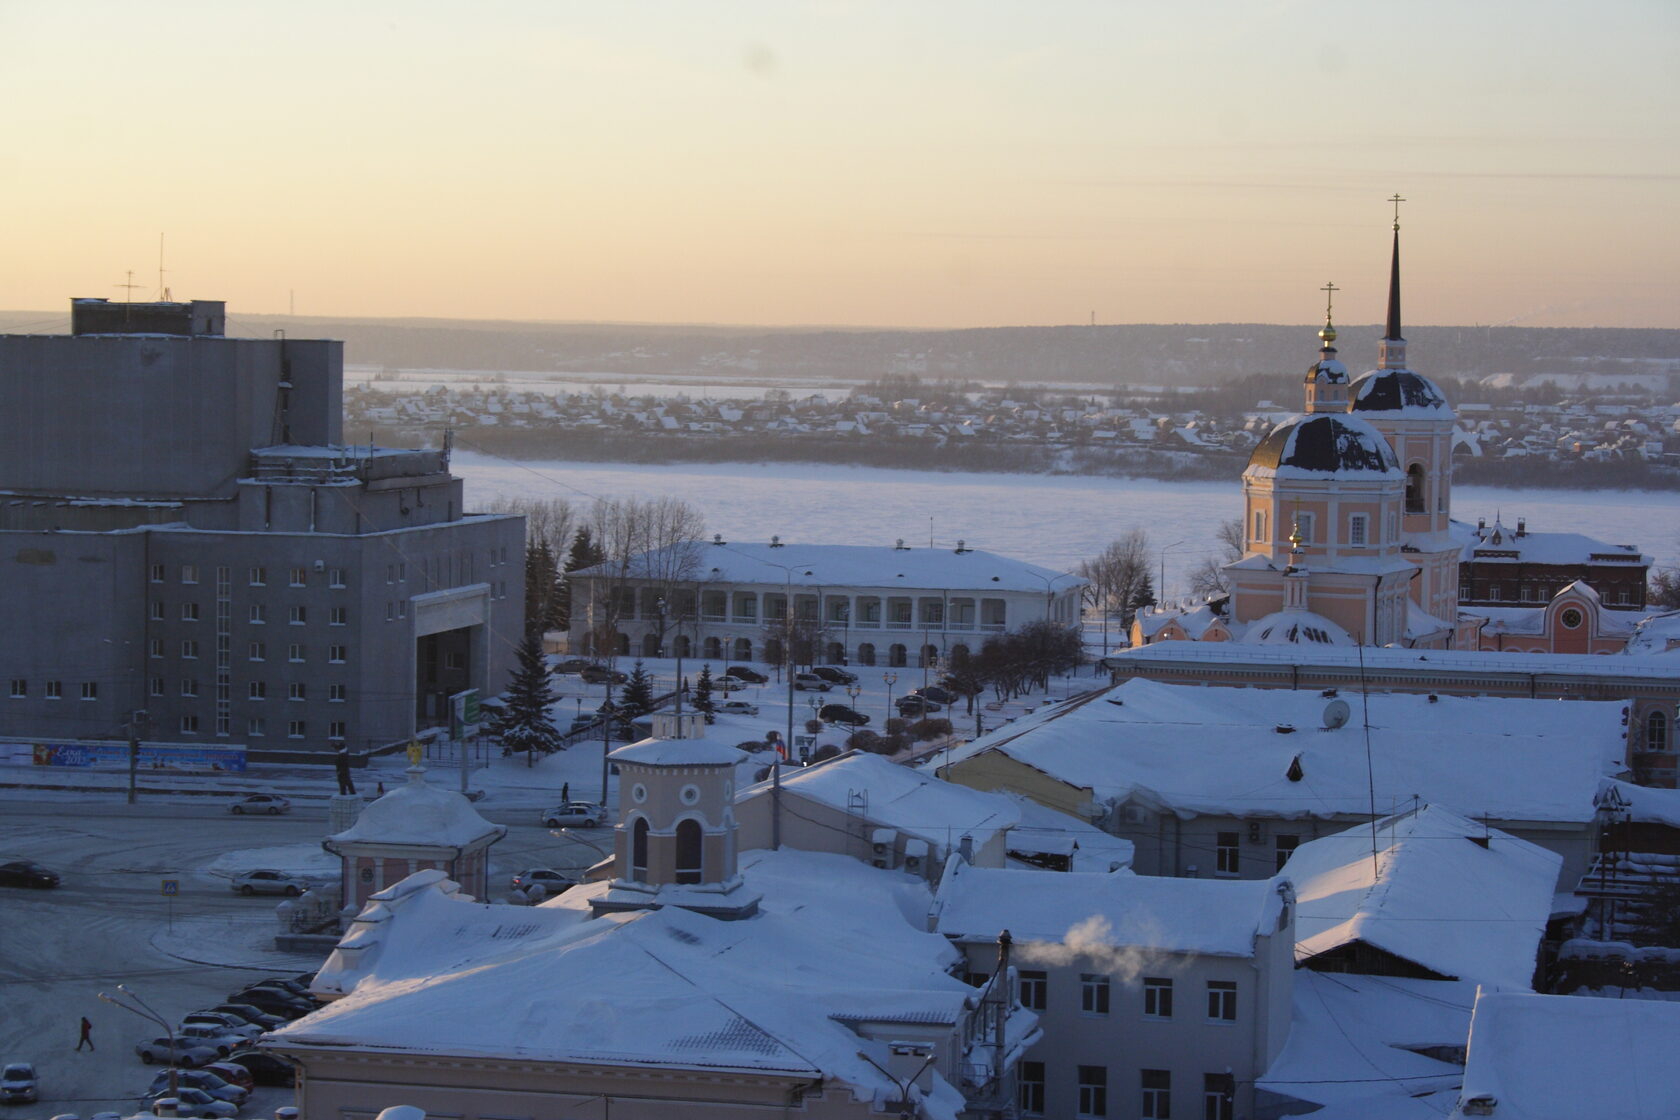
[(418, 812), (1195, 750), (1565, 1057), (1379, 659), (1096, 913), (1499, 544), (1436, 897), (852, 565), (1323, 445), (680, 752), (657, 988), (1294, 627), (1656, 634), (1399, 394), (914, 802), (1044, 830)]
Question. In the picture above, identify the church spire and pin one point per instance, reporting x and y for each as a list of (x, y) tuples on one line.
[(1392, 349)]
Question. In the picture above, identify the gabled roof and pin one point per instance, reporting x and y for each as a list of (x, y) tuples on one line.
[(1436, 897)]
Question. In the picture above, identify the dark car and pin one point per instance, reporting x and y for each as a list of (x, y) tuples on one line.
[(915, 706), (834, 674), (573, 665), (600, 674), (265, 1068), (935, 693), (18, 1084), (251, 1015), (273, 1001), (26, 873), (839, 713), (746, 673), (286, 984)]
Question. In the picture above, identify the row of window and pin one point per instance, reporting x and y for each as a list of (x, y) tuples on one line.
[(256, 615), (254, 690), (1154, 1085), (255, 651), (256, 727), (337, 578), (1540, 593), (54, 690), (1157, 995), (1358, 527)]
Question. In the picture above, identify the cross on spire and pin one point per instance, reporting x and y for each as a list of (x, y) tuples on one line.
[(1329, 291), (1397, 200)]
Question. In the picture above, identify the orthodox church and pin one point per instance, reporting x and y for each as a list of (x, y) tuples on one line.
[(1346, 510)]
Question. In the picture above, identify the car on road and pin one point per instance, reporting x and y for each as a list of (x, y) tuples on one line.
[(27, 873), (746, 673), (574, 814), (727, 684), (737, 708), (551, 881), (18, 1084), (833, 674), (188, 1053), (572, 665), (232, 1074), (269, 880), (196, 1102), (840, 713), (287, 984), (270, 804), (935, 693), (206, 1080), (811, 681), (265, 1068), (274, 1001), (227, 1024), (250, 1014), (915, 706), (600, 674)]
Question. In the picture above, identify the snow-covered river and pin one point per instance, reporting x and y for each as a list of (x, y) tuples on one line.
[(1054, 520)]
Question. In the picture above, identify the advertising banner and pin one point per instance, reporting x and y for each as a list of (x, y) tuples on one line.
[(113, 755)]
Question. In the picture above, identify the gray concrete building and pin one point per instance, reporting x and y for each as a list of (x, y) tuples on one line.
[(183, 532)]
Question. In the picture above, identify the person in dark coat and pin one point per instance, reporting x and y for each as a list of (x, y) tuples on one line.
[(87, 1034)]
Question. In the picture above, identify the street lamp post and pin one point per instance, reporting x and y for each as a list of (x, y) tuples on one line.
[(606, 736), (1161, 589), (890, 679), (149, 1013)]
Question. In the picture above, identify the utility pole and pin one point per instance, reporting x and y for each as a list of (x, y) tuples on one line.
[(135, 719)]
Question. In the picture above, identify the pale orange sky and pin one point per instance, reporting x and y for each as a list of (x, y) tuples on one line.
[(905, 164)]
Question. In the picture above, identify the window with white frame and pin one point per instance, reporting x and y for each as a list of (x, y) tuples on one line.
[(55, 690), (1035, 988), (1656, 731), (256, 690), (189, 573), (337, 693), (297, 651), (1157, 1094), (1358, 534), (1227, 853), (298, 616), (189, 687), (90, 690), (1029, 1088), (157, 573), (1157, 997), (20, 688), (257, 577), (1093, 1091), (189, 725), (338, 654), (189, 612), (256, 726), (155, 647), (297, 690), (1222, 1001), (1219, 1093), (296, 729), (189, 649), (258, 651), (258, 614), (1304, 522), (157, 610), (299, 577), (336, 729), (1093, 993), (335, 577), (159, 686), (338, 616)]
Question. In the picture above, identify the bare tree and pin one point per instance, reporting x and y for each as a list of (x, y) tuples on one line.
[(651, 549), (550, 521), (1207, 579), (1117, 574)]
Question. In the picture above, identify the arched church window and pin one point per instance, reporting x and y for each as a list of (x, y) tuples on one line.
[(638, 851), (1414, 489), (1260, 525), (1656, 731), (688, 851)]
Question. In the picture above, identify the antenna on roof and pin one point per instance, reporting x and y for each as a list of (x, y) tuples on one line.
[(163, 292)]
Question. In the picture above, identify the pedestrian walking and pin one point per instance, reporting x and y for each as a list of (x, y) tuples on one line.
[(87, 1034), (565, 791)]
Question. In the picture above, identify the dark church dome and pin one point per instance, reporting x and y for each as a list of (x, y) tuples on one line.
[(1325, 443), (1400, 392)]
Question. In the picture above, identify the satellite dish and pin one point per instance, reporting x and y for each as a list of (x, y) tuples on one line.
[(1336, 714)]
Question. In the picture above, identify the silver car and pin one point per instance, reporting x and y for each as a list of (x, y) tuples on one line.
[(737, 708), (574, 814), (269, 880)]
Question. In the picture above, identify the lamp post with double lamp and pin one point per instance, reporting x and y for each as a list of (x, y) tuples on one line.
[(145, 1012), (890, 679)]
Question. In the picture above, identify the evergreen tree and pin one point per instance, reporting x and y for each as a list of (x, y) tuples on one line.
[(1143, 597), (702, 699), (637, 698), (523, 724), (585, 553), (542, 590)]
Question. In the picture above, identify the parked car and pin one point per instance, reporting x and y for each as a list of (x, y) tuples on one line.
[(265, 1068), (915, 706), (552, 881), (737, 708), (600, 674), (840, 713), (935, 693), (214, 1036), (270, 803), (811, 681), (573, 665), (232, 1074), (746, 673), (274, 1001), (27, 873), (18, 1084), (189, 1054), (585, 814), (268, 880), (581, 721), (206, 1080), (228, 1024), (251, 1015), (287, 984), (833, 674), (727, 684), (196, 1102)]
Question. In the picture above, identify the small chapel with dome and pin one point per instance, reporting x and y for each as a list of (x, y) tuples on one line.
[(1346, 537)]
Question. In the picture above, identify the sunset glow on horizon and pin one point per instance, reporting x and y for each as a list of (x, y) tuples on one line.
[(936, 164)]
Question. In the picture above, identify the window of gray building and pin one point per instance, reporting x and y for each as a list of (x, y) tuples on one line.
[(259, 614), (297, 652), (157, 610), (299, 577), (1029, 1088), (1227, 854), (402, 608), (155, 647), (189, 686), (338, 654), (189, 649), (258, 652), (189, 573), (158, 686), (1219, 1091), (258, 576), (335, 577), (256, 725), (1093, 993), (1157, 1094), (55, 690), (1157, 997), (1035, 988), (90, 690), (336, 693), (20, 688), (336, 729), (299, 615), (1285, 845), (157, 573), (189, 725), (1222, 1000), (256, 690), (189, 612), (1093, 1090), (339, 616), (296, 729), (297, 690)]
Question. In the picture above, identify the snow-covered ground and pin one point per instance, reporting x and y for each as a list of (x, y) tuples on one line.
[(1053, 520)]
